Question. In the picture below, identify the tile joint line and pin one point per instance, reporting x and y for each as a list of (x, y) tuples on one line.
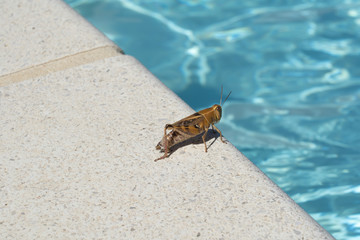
[(60, 64)]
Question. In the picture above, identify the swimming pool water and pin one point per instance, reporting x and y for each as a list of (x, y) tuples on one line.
[(293, 68)]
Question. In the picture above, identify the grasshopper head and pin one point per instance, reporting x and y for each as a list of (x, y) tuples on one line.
[(217, 112), (217, 108)]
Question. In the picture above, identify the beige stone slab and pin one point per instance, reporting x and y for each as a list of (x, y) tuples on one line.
[(76, 161), (36, 32)]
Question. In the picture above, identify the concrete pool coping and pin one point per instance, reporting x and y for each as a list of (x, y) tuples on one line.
[(79, 124)]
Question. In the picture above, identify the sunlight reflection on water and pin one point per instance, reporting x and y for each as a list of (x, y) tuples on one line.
[(293, 70)]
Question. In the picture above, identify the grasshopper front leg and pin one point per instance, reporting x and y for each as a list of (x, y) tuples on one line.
[(219, 132), (204, 139)]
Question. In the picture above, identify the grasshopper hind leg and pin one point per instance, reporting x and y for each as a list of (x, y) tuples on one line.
[(162, 157), (166, 149)]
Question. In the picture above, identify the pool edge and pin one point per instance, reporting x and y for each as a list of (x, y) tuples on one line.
[(105, 53)]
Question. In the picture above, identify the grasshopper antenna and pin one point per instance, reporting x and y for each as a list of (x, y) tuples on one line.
[(221, 96), (227, 97)]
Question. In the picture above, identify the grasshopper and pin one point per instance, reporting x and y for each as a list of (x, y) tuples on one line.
[(191, 126)]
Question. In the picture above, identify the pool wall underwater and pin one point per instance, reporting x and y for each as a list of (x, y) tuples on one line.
[(80, 121)]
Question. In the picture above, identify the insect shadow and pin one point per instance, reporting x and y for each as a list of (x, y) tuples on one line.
[(211, 134)]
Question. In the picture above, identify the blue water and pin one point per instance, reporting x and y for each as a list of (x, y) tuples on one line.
[(293, 68)]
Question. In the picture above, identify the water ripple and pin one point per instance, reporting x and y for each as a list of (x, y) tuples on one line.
[(293, 68)]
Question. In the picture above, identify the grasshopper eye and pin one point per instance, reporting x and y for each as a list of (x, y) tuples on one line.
[(197, 126)]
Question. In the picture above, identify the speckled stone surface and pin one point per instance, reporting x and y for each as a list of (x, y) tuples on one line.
[(36, 32), (77, 150)]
